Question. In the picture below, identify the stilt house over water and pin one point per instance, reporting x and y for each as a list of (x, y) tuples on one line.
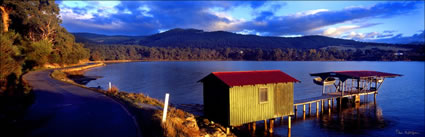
[(236, 98), (352, 82)]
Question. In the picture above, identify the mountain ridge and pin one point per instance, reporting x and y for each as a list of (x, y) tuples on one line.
[(179, 37)]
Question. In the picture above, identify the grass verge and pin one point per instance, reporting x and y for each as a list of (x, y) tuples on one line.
[(148, 113)]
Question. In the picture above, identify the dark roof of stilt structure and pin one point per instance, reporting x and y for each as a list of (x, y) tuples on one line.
[(355, 74)]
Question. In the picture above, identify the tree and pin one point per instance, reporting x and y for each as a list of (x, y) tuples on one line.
[(96, 56), (9, 55), (38, 52)]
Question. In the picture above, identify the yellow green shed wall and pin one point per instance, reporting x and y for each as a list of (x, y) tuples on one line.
[(245, 106)]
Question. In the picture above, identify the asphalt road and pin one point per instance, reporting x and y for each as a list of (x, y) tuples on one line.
[(65, 110)]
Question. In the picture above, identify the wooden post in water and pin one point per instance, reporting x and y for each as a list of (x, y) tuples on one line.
[(321, 107), (374, 97), (265, 125), (271, 125), (254, 126), (289, 126), (343, 88), (329, 106), (376, 85), (329, 103), (317, 108), (340, 104), (281, 120), (309, 108), (357, 98), (289, 122), (332, 102), (289, 133), (304, 112)]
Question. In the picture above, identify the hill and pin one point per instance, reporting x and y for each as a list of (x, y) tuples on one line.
[(217, 39)]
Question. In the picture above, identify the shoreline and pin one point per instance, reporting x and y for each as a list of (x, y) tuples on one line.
[(127, 61), (147, 110)]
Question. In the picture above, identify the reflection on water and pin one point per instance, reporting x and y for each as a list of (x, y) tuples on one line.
[(399, 110), (353, 118)]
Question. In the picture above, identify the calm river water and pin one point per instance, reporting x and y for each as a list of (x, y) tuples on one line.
[(399, 108)]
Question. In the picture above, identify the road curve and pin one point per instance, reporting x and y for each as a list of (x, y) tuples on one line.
[(65, 110)]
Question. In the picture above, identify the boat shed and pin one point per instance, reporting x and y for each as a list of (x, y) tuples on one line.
[(240, 97)]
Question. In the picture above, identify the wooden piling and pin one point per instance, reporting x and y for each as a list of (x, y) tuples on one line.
[(265, 125), (309, 108), (304, 108), (289, 122), (374, 98), (317, 108), (254, 126), (227, 130), (289, 133), (295, 109), (329, 110), (281, 120), (329, 103), (357, 98), (289, 126), (271, 125)]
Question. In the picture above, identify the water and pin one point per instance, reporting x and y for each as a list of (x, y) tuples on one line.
[(399, 109)]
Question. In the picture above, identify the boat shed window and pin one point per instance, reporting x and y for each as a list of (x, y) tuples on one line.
[(263, 95)]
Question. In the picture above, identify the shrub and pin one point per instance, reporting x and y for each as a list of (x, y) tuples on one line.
[(59, 75), (114, 90)]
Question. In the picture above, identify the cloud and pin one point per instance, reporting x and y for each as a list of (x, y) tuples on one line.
[(370, 36), (309, 12), (334, 32), (399, 38), (309, 21), (148, 17), (340, 31)]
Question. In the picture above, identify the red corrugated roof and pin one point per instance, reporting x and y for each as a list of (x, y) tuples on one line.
[(239, 78), (366, 73)]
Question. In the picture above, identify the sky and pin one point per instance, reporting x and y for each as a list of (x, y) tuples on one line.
[(387, 21)]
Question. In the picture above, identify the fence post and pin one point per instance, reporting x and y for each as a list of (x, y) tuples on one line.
[(164, 114), (110, 86)]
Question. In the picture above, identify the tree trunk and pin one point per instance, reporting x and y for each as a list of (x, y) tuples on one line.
[(5, 18)]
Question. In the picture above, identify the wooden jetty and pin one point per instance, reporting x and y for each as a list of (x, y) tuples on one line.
[(347, 84)]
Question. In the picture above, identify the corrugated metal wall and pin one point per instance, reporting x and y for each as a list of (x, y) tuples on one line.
[(284, 99), (245, 106)]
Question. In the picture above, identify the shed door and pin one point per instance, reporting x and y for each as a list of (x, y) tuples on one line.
[(283, 99)]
